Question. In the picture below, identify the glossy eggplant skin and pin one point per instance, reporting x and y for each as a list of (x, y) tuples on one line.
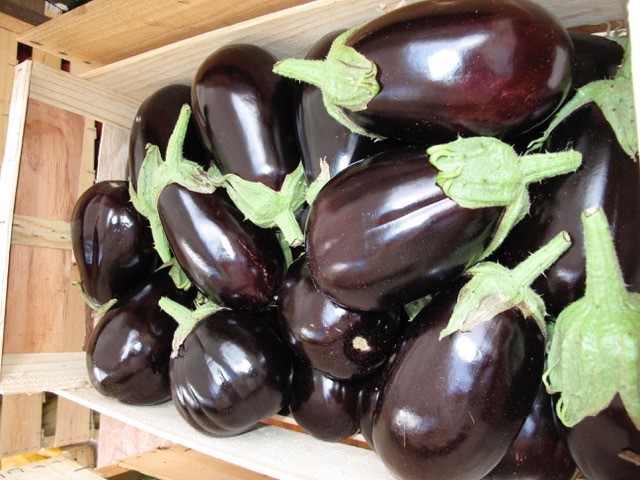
[(111, 242), (320, 136), (226, 257), (245, 114), (538, 452), (231, 372), (468, 67), (326, 408), (382, 233), (155, 119), (594, 58), (450, 408), (608, 178), (596, 443), (344, 344), (129, 349)]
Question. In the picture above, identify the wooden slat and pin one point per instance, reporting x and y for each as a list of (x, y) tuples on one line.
[(56, 468), (8, 54), (105, 31), (19, 16), (40, 232), (73, 424), (113, 154), (20, 429), (45, 58), (37, 372), (286, 33)]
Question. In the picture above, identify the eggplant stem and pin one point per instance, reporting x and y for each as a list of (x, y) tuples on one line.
[(538, 166), (532, 267)]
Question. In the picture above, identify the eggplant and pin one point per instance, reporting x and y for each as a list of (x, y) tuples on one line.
[(344, 344), (320, 136), (538, 452), (129, 350), (609, 178), (441, 69), (230, 372), (245, 114), (594, 58), (326, 408), (111, 242), (154, 123)]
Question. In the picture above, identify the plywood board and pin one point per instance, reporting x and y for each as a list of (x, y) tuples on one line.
[(105, 31)]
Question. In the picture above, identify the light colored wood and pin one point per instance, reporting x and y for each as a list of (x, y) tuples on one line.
[(56, 468), (18, 16), (40, 232), (37, 372), (272, 451), (83, 453), (8, 54), (46, 58), (20, 425), (105, 31), (113, 153), (118, 440), (172, 462), (287, 33), (73, 424)]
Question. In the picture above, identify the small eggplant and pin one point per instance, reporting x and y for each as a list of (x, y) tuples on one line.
[(595, 58), (325, 408), (464, 376), (385, 232), (229, 372), (344, 344), (440, 69), (154, 123), (245, 114), (538, 452), (129, 349), (111, 242)]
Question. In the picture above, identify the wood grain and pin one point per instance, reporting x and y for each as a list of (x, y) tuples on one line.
[(21, 419), (104, 31), (56, 468), (8, 54)]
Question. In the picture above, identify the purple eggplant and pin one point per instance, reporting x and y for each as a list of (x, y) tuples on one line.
[(245, 114), (154, 123), (538, 452), (326, 408), (595, 58), (440, 69), (230, 372), (111, 242), (343, 344), (129, 350)]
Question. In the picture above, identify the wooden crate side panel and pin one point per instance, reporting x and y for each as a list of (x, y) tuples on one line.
[(21, 430), (8, 54), (38, 372)]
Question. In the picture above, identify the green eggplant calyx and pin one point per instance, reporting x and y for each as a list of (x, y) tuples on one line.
[(594, 353), (494, 289)]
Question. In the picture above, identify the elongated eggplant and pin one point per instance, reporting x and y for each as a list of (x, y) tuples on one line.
[(595, 58), (538, 452), (225, 256), (129, 349), (245, 114), (326, 408), (231, 372), (609, 178), (321, 137), (433, 69), (343, 344), (111, 242), (153, 124)]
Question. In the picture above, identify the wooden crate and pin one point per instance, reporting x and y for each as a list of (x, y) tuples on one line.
[(34, 237)]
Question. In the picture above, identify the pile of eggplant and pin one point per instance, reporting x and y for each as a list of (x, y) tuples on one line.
[(425, 231)]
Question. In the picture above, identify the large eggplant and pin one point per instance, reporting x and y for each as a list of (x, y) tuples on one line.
[(437, 68), (245, 114), (111, 242), (341, 343), (129, 349), (231, 372), (153, 124)]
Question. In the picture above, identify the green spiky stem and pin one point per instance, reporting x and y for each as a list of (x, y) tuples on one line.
[(494, 289), (594, 353), (481, 172), (187, 319), (346, 78)]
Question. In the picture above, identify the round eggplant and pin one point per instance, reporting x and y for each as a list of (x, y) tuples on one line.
[(450, 408), (111, 242), (439, 69), (344, 344), (231, 372), (154, 123), (129, 350), (245, 114), (325, 408), (382, 233)]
